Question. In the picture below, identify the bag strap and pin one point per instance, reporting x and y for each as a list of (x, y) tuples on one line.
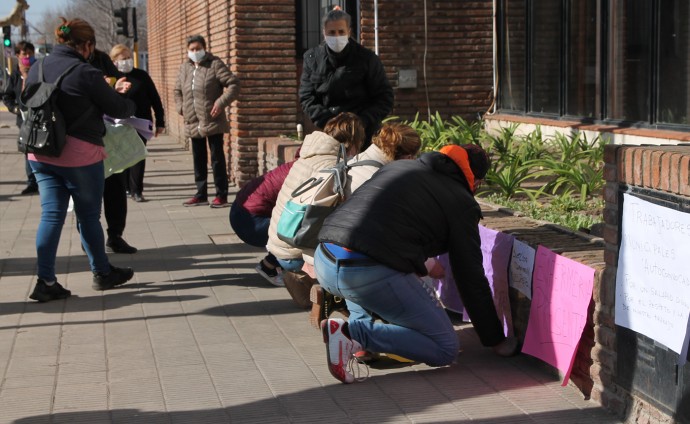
[(306, 186), (41, 78), (368, 162)]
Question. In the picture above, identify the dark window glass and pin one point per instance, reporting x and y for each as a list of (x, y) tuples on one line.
[(581, 88), (511, 79), (674, 62), (546, 56), (630, 60)]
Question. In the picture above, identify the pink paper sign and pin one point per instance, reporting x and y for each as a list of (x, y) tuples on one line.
[(562, 291)]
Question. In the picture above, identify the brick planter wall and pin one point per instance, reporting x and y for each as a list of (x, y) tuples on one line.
[(661, 169)]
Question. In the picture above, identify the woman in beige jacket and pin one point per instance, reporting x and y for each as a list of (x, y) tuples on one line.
[(205, 86), (319, 151)]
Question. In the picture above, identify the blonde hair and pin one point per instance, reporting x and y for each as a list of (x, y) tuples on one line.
[(74, 33), (397, 140), (117, 50), (348, 129)]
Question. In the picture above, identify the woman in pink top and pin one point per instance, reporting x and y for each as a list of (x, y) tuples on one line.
[(78, 172)]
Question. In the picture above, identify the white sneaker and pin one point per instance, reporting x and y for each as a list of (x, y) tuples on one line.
[(276, 280), (340, 350)]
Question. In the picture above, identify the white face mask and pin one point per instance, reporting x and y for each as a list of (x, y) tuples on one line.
[(125, 66), (337, 44), (196, 56)]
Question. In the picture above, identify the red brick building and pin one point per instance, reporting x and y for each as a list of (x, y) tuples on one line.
[(448, 47)]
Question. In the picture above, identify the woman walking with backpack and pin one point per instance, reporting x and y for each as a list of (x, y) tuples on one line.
[(77, 172)]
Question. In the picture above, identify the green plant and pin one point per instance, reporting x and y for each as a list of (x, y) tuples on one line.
[(564, 210), (507, 178), (436, 132), (575, 165)]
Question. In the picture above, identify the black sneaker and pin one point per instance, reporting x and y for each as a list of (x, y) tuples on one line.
[(44, 293), (118, 245), (116, 276), (30, 189)]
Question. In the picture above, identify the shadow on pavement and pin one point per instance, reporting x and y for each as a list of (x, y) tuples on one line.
[(369, 401)]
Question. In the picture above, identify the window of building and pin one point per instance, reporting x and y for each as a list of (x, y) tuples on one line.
[(309, 16), (619, 61)]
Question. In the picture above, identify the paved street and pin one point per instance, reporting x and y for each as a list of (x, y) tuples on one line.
[(198, 337)]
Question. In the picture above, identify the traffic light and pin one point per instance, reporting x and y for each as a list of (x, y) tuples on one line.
[(6, 36), (122, 21)]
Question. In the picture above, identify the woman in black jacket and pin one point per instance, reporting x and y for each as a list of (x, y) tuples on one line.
[(144, 94), (373, 250), (343, 76), (78, 173)]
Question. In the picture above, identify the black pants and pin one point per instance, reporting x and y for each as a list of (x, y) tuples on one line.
[(134, 175), (220, 173), (30, 177), (115, 204)]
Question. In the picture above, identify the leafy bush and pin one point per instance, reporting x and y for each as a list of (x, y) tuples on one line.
[(557, 175)]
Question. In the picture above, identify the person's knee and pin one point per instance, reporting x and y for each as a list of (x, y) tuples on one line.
[(448, 351)]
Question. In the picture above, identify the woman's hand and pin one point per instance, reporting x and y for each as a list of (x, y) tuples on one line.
[(122, 86), (215, 110), (434, 268)]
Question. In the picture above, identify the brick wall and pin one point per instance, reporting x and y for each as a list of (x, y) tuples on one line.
[(458, 58), (663, 170), (257, 40)]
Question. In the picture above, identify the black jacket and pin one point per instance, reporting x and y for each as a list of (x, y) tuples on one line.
[(144, 94), (350, 81), (81, 89), (411, 210), (12, 93)]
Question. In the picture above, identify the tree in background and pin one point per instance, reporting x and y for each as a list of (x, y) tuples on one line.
[(98, 13)]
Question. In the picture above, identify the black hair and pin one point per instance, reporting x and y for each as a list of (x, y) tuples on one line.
[(196, 39), (23, 46)]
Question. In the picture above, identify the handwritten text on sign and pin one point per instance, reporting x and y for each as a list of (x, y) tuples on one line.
[(521, 266), (562, 291), (653, 276)]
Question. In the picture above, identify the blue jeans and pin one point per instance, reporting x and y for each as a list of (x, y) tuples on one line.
[(292, 265), (251, 229), (417, 327), (56, 184)]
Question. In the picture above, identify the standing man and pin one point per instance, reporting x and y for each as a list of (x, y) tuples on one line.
[(343, 76), (205, 86), (11, 98)]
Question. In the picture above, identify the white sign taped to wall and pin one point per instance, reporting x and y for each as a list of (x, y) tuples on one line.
[(653, 276)]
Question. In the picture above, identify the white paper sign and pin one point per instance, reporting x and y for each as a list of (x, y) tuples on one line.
[(521, 267), (653, 278)]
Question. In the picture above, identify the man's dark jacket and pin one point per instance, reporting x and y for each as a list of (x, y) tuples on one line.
[(12, 94), (350, 81), (411, 210), (83, 91)]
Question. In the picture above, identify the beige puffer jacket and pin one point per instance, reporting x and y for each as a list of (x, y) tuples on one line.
[(197, 88), (319, 151), (356, 176)]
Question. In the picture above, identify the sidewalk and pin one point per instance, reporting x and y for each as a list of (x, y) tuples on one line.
[(198, 337)]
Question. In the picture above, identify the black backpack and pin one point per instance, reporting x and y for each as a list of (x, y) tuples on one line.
[(44, 130)]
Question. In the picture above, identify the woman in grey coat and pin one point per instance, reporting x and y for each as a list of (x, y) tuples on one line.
[(205, 86)]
